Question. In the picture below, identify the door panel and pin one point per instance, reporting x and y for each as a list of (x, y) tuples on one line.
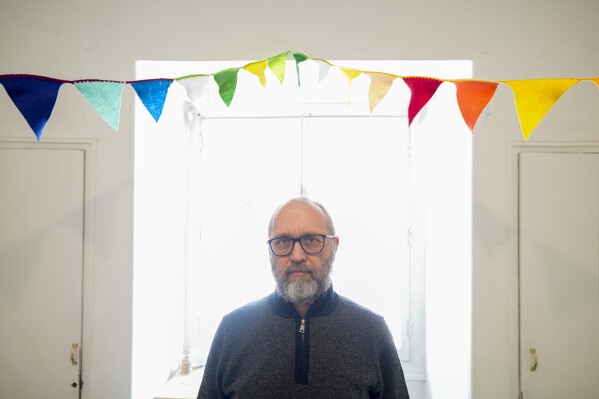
[(41, 266), (559, 275)]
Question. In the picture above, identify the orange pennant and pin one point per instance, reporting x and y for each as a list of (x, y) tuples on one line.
[(473, 96), (380, 83), (595, 80), (535, 97)]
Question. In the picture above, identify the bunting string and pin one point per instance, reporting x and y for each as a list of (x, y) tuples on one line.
[(35, 96)]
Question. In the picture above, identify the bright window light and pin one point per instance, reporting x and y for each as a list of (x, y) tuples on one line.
[(208, 178)]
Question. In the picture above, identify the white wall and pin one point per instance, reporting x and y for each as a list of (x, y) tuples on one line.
[(75, 39)]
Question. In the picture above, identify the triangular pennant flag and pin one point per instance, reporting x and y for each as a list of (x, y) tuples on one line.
[(594, 80), (473, 96), (227, 84), (380, 83), (105, 98), (34, 97), (422, 90), (323, 69), (299, 58), (258, 69), (534, 98), (350, 74), (196, 86), (277, 65), (152, 94)]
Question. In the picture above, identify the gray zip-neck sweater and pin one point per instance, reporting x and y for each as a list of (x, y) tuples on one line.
[(340, 350)]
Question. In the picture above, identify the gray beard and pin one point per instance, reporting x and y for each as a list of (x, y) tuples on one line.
[(302, 291)]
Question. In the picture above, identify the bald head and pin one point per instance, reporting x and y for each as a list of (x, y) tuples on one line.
[(302, 276), (319, 211)]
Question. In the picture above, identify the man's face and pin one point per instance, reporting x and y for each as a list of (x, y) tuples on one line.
[(302, 277)]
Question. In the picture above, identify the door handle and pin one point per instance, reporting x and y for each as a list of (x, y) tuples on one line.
[(75, 354), (535, 359)]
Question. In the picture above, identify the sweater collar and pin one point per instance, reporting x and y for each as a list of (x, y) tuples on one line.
[(323, 305)]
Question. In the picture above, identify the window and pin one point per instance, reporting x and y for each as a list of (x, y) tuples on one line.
[(216, 175)]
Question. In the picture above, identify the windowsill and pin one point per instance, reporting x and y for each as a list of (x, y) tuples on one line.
[(181, 386)]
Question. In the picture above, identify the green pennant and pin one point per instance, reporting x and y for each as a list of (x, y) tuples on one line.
[(277, 65), (105, 98), (227, 83), (299, 58)]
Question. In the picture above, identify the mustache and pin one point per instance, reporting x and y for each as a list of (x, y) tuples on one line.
[(299, 267)]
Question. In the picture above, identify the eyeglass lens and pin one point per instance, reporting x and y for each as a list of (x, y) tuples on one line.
[(311, 243)]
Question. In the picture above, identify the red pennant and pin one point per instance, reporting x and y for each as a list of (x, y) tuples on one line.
[(422, 90), (473, 96)]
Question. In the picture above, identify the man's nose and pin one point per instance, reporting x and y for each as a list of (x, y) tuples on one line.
[(297, 253)]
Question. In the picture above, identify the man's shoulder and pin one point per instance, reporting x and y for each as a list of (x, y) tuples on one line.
[(364, 322), (250, 308), (252, 316), (347, 305)]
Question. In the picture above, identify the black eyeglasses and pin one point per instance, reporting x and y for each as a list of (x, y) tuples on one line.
[(310, 243)]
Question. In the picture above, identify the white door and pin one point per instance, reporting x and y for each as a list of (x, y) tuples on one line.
[(559, 275), (41, 259)]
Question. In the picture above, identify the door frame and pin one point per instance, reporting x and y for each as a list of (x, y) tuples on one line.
[(88, 147), (513, 271)]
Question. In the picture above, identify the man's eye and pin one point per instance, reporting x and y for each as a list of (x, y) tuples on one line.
[(313, 239), (282, 241)]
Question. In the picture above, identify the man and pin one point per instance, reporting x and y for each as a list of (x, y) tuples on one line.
[(304, 340)]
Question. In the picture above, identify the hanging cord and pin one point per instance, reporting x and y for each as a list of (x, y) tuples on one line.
[(410, 233), (304, 120), (193, 131)]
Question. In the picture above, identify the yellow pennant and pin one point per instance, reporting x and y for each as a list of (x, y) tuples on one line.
[(350, 74), (258, 69), (380, 83), (277, 65), (534, 98)]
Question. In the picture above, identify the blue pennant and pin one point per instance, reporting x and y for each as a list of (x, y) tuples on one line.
[(152, 94), (34, 96)]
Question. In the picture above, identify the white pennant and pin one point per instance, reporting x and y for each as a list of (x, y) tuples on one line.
[(196, 86), (323, 69)]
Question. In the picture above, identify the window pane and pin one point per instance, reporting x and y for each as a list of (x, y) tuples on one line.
[(246, 168), (359, 168), (236, 187)]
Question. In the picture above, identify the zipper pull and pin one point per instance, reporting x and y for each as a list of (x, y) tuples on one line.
[(302, 326)]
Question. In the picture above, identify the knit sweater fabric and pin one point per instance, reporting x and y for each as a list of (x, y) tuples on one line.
[(340, 350)]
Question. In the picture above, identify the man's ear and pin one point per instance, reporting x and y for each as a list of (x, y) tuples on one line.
[(336, 243)]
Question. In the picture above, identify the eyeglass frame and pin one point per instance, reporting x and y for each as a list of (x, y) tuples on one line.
[(298, 240)]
